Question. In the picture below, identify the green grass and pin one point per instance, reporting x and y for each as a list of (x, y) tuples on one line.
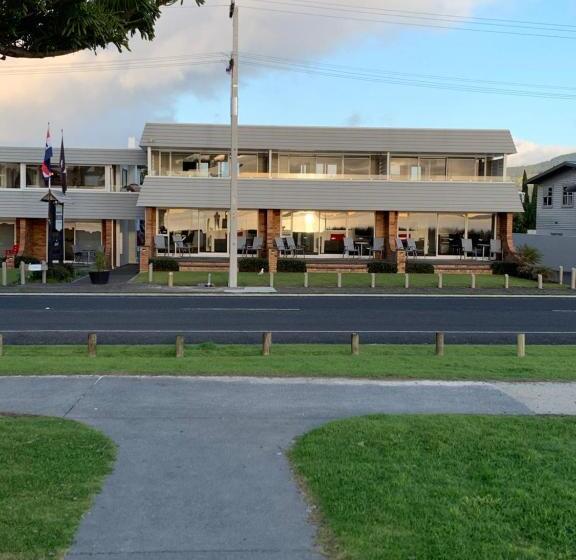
[(12, 276), (443, 487), (308, 360), (49, 471), (351, 280)]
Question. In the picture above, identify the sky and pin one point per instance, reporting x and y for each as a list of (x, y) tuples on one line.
[(103, 99)]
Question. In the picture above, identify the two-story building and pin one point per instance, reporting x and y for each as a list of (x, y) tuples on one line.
[(316, 185)]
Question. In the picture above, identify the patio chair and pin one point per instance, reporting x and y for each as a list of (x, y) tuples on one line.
[(241, 245), (399, 244), (179, 245), (495, 248), (257, 244), (349, 247), (466, 248), (292, 247), (377, 246), (411, 248), (13, 251), (160, 244), (281, 246)]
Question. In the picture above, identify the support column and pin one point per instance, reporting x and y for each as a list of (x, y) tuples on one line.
[(108, 241), (505, 233), (147, 251), (273, 227), (380, 231), (262, 229), (31, 237), (390, 234)]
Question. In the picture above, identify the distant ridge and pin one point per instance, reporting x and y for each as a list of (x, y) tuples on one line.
[(537, 168)]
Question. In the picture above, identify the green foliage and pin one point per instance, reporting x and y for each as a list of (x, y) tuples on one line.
[(165, 264), (419, 268), (291, 265), (100, 262), (255, 264), (56, 273), (45, 28), (527, 220), (27, 259), (382, 267), (504, 267)]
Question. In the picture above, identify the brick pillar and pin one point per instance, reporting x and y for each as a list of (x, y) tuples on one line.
[(262, 228), (273, 227), (21, 235), (108, 241), (390, 234), (31, 236), (505, 233), (380, 231), (147, 251)]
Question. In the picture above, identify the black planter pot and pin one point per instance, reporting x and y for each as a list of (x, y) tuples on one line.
[(99, 276)]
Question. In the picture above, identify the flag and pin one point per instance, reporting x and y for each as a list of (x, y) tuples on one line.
[(46, 168), (63, 173)]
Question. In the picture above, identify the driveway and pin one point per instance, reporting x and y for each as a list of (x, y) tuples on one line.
[(201, 472)]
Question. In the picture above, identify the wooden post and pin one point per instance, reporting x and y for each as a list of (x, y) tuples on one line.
[(170, 279), (573, 282), (440, 280), (92, 345), (209, 283), (266, 343), (540, 282), (473, 281), (439, 344), (521, 346), (561, 275), (339, 280), (150, 273), (407, 280), (305, 279), (22, 273), (373, 280), (355, 344), (1, 345), (507, 281), (4, 274), (44, 272), (179, 346), (271, 279)]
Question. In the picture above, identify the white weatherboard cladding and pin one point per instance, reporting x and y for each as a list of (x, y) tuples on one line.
[(556, 218), (331, 139), (177, 192), (74, 156)]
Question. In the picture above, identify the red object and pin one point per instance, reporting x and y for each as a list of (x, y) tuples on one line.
[(12, 252), (337, 236)]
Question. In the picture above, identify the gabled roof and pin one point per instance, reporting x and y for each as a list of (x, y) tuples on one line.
[(552, 171)]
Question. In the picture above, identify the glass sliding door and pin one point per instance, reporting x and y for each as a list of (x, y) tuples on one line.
[(82, 240), (481, 231), (421, 227), (451, 231)]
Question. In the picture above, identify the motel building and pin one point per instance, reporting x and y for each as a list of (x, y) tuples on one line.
[(334, 196)]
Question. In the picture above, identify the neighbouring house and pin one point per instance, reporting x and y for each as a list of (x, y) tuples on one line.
[(326, 189)]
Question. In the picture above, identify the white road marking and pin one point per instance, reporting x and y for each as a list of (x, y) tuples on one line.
[(220, 309), (564, 311)]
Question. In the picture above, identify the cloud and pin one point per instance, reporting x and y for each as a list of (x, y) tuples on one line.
[(106, 107), (532, 152)]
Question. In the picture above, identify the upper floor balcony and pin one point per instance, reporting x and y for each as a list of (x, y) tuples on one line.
[(331, 167)]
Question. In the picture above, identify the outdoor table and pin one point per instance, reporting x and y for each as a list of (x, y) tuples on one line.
[(361, 244), (483, 245)]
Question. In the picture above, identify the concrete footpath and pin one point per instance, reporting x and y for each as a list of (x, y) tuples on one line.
[(201, 471)]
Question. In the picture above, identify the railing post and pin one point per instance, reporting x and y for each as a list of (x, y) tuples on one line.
[(407, 280), (561, 275), (473, 281), (506, 281), (540, 282), (305, 279), (170, 279), (573, 282), (179, 346), (266, 343), (44, 272), (1, 345), (92, 345), (439, 344), (4, 274), (150, 273), (339, 280), (271, 279), (355, 344), (440, 281), (22, 273), (373, 280), (521, 346)]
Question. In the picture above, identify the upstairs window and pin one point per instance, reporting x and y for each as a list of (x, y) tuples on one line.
[(567, 198), (548, 197), (9, 176)]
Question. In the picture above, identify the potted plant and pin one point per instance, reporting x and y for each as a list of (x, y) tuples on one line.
[(101, 272)]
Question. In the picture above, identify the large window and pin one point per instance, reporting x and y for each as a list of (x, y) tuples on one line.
[(7, 236), (548, 197), (9, 175), (433, 169), (82, 240), (404, 169), (421, 228), (461, 169), (567, 198), (78, 177)]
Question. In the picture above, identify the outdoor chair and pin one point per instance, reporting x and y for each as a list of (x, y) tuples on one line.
[(13, 251), (349, 247), (466, 247), (179, 245), (281, 246), (411, 248), (377, 246), (495, 248), (292, 247), (257, 244), (241, 245), (399, 244), (160, 243)]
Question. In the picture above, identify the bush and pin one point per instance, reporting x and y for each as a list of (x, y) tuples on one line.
[(165, 264), (25, 259), (382, 267), (255, 264), (57, 273), (419, 268), (510, 268), (291, 265)]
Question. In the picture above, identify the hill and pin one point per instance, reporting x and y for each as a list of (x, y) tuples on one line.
[(536, 168)]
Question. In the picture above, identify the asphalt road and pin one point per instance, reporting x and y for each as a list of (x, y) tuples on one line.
[(201, 471), (157, 319)]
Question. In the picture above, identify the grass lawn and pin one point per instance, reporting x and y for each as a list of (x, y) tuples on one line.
[(13, 276), (351, 280), (49, 471), (314, 360), (443, 487)]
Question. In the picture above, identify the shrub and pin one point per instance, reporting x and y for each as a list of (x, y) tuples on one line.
[(419, 268), (510, 268), (382, 267), (291, 265), (27, 259), (255, 264), (165, 264), (57, 273)]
